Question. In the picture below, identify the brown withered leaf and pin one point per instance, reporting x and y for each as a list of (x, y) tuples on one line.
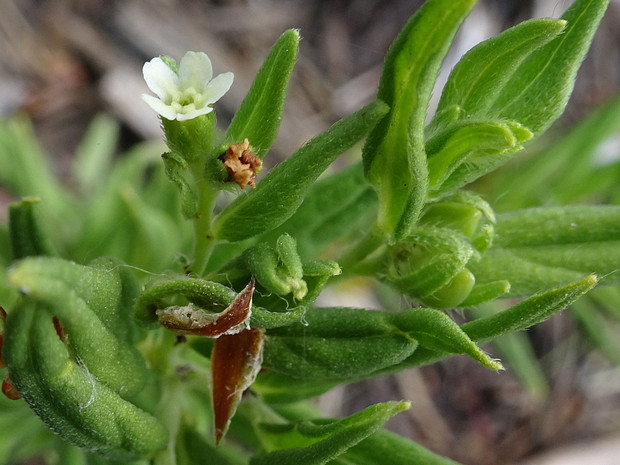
[(235, 362), (188, 319)]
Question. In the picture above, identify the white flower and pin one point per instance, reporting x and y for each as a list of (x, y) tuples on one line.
[(188, 93)]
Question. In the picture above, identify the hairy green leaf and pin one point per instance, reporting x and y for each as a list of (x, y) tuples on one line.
[(540, 248), (349, 344), (27, 236), (280, 193), (526, 313), (258, 118), (538, 90), (316, 442), (482, 74), (394, 156), (80, 366), (374, 449)]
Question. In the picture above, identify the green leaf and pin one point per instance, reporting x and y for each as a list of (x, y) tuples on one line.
[(471, 151), (544, 247), (528, 312), (437, 331), (335, 207), (68, 347), (394, 156), (566, 171), (482, 74), (349, 344), (336, 343), (95, 154), (280, 193), (316, 442), (374, 449), (540, 87), (258, 118), (27, 237), (177, 169), (90, 303)]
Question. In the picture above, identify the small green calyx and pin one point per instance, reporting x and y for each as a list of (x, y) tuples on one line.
[(192, 140)]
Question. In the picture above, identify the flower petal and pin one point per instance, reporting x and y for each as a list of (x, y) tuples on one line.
[(194, 113), (218, 87), (160, 107), (195, 71), (160, 78)]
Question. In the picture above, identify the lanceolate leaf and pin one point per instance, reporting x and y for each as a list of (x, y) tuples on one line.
[(336, 205), (320, 441), (538, 90), (526, 313), (394, 156), (374, 449), (483, 72), (348, 344), (280, 193), (27, 236), (540, 248), (69, 399), (258, 118)]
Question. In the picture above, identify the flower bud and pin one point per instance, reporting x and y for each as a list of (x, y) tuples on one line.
[(430, 266)]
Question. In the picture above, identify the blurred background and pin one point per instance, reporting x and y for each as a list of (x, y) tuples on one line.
[(62, 62)]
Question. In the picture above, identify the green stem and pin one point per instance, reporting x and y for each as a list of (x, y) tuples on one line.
[(365, 247), (170, 415), (203, 239)]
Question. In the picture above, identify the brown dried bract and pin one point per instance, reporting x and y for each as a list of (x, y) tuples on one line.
[(242, 164), (8, 389), (189, 319), (235, 362)]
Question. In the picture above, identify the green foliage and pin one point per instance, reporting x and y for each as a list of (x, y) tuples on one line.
[(258, 118), (80, 384), (265, 208), (394, 156), (87, 341)]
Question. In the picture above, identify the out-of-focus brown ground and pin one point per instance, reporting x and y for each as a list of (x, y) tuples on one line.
[(64, 61)]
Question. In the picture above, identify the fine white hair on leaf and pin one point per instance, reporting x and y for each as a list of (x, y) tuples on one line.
[(91, 380)]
